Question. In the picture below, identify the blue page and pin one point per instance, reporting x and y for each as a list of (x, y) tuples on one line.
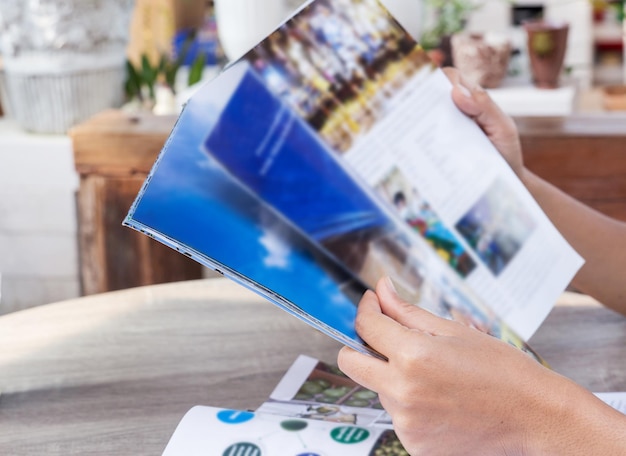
[(272, 150), (191, 204)]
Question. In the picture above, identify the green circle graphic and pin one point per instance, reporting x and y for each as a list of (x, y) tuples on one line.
[(293, 425), (249, 449), (349, 434)]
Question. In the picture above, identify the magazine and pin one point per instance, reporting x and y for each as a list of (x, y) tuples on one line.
[(331, 154), (314, 410)]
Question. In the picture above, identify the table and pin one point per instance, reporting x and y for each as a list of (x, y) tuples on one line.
[(114, 373)]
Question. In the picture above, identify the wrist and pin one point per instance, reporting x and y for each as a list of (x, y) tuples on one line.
[(572, 421), (526, 176)]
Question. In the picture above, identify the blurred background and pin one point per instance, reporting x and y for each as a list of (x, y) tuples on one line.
[(90, 90)]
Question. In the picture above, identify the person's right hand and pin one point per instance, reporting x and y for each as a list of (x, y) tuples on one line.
[(472, 100), (451, 389)]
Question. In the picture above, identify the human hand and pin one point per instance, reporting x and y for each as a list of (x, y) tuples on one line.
[(472, 100), (451, 389)]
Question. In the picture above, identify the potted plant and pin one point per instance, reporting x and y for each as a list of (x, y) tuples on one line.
[(445, 18), (148, 84), (156, 74)]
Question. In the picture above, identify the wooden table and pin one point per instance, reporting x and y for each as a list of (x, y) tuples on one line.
[(114, 373)]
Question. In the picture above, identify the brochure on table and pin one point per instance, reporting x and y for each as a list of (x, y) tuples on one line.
[(330, 155), (315, 410)]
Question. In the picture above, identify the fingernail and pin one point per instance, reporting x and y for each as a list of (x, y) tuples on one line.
[(390, 286), (465, 91), (478, 89)]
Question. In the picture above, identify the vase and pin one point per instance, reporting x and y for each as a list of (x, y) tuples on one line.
[(409, 13), (241, 24), (483, 59), (547, 43)]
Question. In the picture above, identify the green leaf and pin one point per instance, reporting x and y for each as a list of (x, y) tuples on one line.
[(148, 74), (196, 70), (184, 49), (163, 61), (133, 82), (170, 71)]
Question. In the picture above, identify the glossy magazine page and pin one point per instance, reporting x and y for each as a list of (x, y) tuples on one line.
[(281, 160), (191, 203), (340, 122), (285, 173)]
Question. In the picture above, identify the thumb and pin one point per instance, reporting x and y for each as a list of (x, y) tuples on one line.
[(473, 101), (477, 104), (408, 315), (500, 128)]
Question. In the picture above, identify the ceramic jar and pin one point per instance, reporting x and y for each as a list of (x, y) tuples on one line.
[(482, 58), (547, 43)]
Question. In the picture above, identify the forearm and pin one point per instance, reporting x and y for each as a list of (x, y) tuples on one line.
[(600, 240), (572, 422)]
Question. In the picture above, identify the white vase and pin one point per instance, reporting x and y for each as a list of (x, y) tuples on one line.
[(409, 13), (242, 24)]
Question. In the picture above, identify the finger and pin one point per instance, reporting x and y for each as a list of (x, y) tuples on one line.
[(385, 321), (475, 102), (452, 74), (409, 315), (366, 370), (462, 92), (381, 332)]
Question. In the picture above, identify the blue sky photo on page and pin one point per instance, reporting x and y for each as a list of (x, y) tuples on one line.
[(191, 204)]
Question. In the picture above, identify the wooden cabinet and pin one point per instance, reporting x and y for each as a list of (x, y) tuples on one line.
[(583, 155), (113, 153)]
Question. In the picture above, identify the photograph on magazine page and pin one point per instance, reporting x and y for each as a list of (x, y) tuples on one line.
[(340, 64)]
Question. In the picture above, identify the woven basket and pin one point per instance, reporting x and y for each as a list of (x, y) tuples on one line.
[(64, 60)]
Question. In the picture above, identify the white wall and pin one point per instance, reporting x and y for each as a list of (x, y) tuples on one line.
[(38, 242)]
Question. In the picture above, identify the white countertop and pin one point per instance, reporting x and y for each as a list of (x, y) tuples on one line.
[(521, 98)]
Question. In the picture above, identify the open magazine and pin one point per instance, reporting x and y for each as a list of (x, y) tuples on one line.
[(331, 154), (314, 410)]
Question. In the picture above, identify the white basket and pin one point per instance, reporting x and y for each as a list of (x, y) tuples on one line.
[(52, 103)]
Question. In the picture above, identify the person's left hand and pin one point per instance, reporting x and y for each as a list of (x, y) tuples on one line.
[(449, 388)]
